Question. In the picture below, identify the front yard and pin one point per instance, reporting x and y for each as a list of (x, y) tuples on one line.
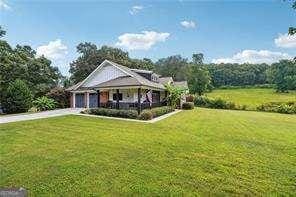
[(202, 151)]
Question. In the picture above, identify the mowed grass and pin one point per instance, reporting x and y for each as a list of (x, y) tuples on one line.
[(198, 152), (252, 97)]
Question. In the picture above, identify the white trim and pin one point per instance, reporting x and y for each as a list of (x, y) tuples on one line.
[(100, 66), (87, 99)]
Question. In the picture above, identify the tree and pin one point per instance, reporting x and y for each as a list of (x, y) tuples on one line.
[(197, 58), (292, 30), (90, 57), (2, 32), (61, 97), (18, 97), (283, 74), (174, 94), (21, 63), (199, 80), (172, 66)]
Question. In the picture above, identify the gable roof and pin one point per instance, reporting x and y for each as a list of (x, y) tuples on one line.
[(181, 84), (131, 79), (165, 80)]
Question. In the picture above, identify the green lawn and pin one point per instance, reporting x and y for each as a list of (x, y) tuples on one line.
[(252, 96), (200, 152)]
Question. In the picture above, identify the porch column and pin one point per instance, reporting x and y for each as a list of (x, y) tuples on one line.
[(117, 98), (87, 99), (73, 99), (139, 100), (98, 100)]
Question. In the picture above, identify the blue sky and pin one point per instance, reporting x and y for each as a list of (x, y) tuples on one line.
[(225, 31)]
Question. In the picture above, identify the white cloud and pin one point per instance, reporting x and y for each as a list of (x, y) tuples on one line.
[(142, 41), (286, 41), (135, 9), (54, 50), (188, 24), (4, 5), (254, 56)]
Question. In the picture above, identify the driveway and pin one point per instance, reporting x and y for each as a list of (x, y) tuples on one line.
[(33, 116)]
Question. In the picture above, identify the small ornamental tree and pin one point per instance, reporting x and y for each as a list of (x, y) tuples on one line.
[(174, 94), (18, 97), (61, 97)]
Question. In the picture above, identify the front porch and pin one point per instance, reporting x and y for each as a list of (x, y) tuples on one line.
[(119, 98)]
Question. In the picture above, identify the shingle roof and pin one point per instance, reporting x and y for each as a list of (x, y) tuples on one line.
[(165, 80), (134, 79)]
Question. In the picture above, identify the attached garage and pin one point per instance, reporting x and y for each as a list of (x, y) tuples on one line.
[(79, 100), (93, 100)]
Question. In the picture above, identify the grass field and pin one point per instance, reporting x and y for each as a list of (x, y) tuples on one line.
[(252, 97), (201, 152)]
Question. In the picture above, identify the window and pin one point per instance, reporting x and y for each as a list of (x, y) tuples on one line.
[(115, 98)]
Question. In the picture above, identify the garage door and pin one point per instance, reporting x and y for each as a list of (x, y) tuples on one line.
[(93, 100), (79, 100)]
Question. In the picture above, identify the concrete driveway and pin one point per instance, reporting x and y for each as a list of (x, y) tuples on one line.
[(33, 116)]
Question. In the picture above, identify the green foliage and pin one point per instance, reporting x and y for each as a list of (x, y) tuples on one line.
[(216, 103), (199, 80), (61, 97), (197, 58), (280, 107), (173, 66), (2, 32), (90, 57), (146, 115), (237, 74), (43, 103), (18, 97), (20, 63), (283, 74), (188, 105), (174, 94), (133, 114)]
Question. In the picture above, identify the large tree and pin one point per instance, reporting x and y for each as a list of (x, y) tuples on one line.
[(21, 63), (283, 75), (199, 79), (172, 66), (292, 30), (90, 57)]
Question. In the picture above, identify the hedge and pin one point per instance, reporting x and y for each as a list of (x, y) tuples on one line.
[(279, 107), (188, 105), (133, 114)]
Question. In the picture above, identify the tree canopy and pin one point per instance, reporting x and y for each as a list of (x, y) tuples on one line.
[(90, 57)]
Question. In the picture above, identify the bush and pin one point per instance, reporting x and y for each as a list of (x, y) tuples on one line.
[(18, 97), (188, 105), (155, 112), (280, 107), (43, 103), (61, 97), (133, 114), (217, 103), (146, 115)]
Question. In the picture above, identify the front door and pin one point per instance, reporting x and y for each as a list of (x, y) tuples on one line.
[(104, 97)]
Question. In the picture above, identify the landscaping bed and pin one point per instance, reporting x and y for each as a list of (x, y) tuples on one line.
[(146, 114)]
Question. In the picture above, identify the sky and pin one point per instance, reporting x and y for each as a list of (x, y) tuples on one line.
[(224, 31)]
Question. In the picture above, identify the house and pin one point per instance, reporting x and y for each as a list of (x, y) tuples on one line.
[(112, 85)]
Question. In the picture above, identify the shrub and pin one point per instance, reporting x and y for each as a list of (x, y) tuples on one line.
[(280, 107), (188, 105), (133, 114), (155, 112), (217, 103), (43, 103), (146, 115), (18, 97), (61, 97)]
